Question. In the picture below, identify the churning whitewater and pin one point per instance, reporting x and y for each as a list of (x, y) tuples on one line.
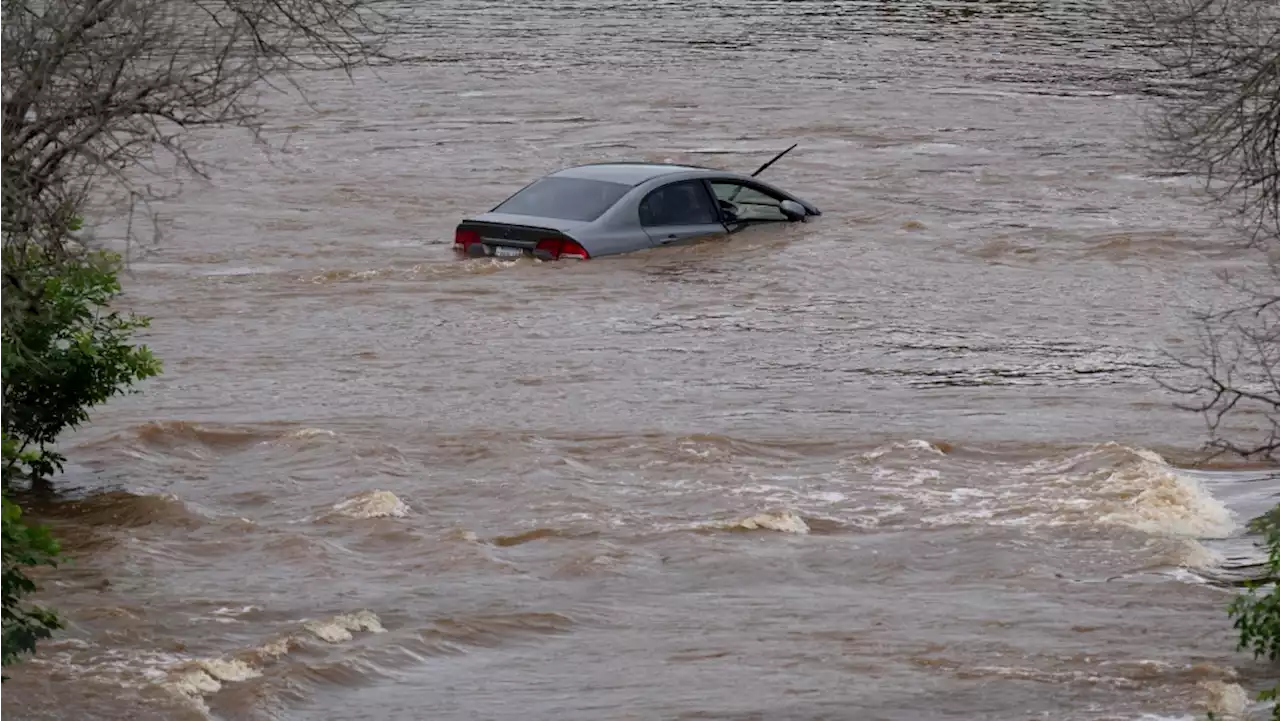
[(906, 462)]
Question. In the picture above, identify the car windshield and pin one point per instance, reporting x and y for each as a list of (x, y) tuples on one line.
[(565, 199)]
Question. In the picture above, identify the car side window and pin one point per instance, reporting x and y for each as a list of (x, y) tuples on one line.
[(752, 204), (682, 203)]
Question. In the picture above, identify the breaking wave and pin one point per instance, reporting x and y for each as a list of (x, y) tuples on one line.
[(189, 680), (189, 440), (1160, 502), (1144, 492), (196, 679), (346, 649), (780, 521), (371, 504), (175, 434), (1224, 699), (911, 447), (126, 509), (1105, 486)]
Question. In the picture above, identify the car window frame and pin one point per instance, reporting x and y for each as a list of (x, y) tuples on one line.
[(758, 187), (530, 184), (717, 217)]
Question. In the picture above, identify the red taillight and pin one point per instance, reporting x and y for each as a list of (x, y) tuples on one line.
[(563, 248), (463, 238)]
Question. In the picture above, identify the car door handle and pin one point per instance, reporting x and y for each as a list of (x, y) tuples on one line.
[(670, 238)]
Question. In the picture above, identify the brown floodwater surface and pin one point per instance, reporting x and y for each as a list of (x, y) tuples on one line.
[(905, 462)]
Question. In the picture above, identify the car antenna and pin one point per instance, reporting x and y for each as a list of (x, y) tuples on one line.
[(775, 159), (761, 169)]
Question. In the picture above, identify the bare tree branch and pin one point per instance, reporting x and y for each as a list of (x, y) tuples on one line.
[(1235, 384), (96, 90), (1220, 120)]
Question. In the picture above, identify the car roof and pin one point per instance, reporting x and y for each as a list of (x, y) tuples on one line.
[(625, 173)]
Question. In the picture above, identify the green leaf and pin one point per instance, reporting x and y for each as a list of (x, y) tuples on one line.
[(63, 351), (23, 546)]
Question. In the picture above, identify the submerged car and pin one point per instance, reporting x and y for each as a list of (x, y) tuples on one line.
[(588, 211)]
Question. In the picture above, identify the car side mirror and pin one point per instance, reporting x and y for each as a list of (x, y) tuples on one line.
[(793, 210)]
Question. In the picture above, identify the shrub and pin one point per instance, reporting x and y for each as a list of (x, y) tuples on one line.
[(63, 351)]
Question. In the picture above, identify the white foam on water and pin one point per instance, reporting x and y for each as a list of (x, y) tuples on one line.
[(242, 270), (373, 504), (1105, 485), (1115, 485), (781, 521), (228, 669), (1196, 555), (193, 686), (313, 433), (893, 480), (339, 628), (127, 669), (959, 518), (914, 444), (1044, 675), (228, 611), (1152, 497), (1225, 699), (343, 275), (196, 679), (784, 496)]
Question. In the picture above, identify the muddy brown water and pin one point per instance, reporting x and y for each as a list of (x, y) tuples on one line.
[(905, 462)]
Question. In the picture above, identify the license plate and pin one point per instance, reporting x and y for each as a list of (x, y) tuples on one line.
[(505, 252)]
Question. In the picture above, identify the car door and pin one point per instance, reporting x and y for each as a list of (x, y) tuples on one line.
[(679, 212), (750, 204)]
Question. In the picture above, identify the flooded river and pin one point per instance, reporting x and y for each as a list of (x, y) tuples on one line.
[(905, 462)]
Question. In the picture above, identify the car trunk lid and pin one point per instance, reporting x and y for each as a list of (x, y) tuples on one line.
[(504, 235)]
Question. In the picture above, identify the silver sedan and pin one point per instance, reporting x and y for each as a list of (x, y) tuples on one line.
[(601, 209)]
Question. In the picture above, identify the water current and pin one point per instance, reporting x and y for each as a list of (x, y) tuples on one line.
[(905, 462)]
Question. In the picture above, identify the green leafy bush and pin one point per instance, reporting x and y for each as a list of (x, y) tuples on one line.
[(62, 351), (24, 546), (1257, 611)]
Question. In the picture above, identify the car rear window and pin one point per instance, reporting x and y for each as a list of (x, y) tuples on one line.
[(564, 198)]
